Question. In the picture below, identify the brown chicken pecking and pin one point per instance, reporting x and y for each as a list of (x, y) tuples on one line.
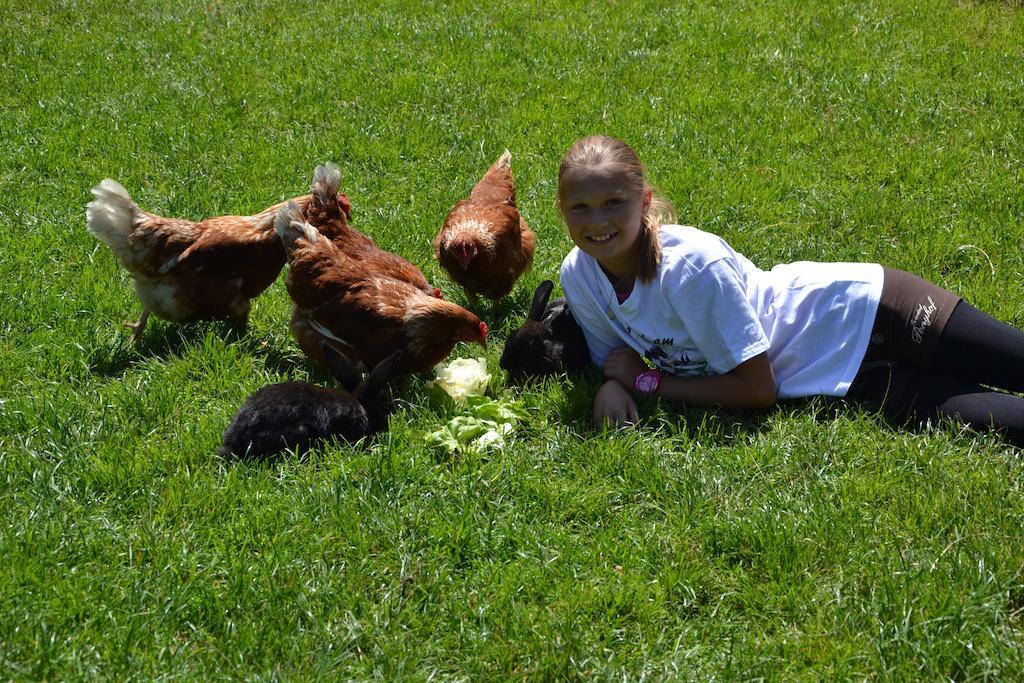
[(331, 216), (184, 270), (484, 244), (368, 313)]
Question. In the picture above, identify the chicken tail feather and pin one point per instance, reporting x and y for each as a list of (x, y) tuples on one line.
[(497, 185), (110, 215), (291, 227), (326, 182)]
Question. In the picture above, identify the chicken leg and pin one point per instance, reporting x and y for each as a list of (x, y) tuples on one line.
[(138, 326)]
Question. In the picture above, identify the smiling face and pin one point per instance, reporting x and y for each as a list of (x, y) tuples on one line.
[(604, 213)]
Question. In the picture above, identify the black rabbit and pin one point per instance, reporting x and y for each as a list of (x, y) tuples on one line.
[(550, 342), (296, 415)]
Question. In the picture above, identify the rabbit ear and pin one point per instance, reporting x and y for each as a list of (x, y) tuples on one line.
[(340, 366), (382, 372), (540, 300)]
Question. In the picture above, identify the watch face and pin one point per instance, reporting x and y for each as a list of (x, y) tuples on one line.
[(646, 382)]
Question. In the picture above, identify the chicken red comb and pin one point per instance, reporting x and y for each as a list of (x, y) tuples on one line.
[(437, 293), (345, 205), (483, 335)]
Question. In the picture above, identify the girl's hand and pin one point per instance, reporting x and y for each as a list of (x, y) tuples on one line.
[(614, 406), (623, 364)]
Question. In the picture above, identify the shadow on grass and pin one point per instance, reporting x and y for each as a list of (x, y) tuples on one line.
[(711, 425), (720, 424), (115, 353), (707, 424), (574, 400), (512, 309), (502, 316), (119, 353), (284, 358)]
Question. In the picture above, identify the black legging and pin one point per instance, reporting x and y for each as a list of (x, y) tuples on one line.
[(977, 347), (973, 350)]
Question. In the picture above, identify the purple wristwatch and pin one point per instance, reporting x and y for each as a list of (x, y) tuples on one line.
[(648, 381)]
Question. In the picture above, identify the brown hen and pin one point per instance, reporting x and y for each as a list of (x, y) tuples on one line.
[(368, 313), (484, 244), (185, 270), (330, 213)]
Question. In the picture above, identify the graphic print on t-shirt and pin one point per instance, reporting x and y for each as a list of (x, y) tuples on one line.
[(665, 355), (683, 366)]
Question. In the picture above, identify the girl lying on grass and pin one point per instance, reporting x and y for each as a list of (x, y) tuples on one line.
[(719, 331)]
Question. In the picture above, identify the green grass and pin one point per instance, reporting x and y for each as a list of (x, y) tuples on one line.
[(810, 542)]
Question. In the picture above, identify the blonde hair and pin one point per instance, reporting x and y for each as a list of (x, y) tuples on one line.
[(604, 150)]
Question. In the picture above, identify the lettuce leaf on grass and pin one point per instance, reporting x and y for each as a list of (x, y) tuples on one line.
[(482, 428)]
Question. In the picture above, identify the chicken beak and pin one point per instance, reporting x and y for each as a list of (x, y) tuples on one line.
[(464, 253)]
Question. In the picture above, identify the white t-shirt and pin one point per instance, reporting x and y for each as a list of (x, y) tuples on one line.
[(709, 309)]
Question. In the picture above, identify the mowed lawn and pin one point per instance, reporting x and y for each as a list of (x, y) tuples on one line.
[(810, 541)]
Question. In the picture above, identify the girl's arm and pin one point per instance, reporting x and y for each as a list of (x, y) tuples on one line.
[(750, 385)]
